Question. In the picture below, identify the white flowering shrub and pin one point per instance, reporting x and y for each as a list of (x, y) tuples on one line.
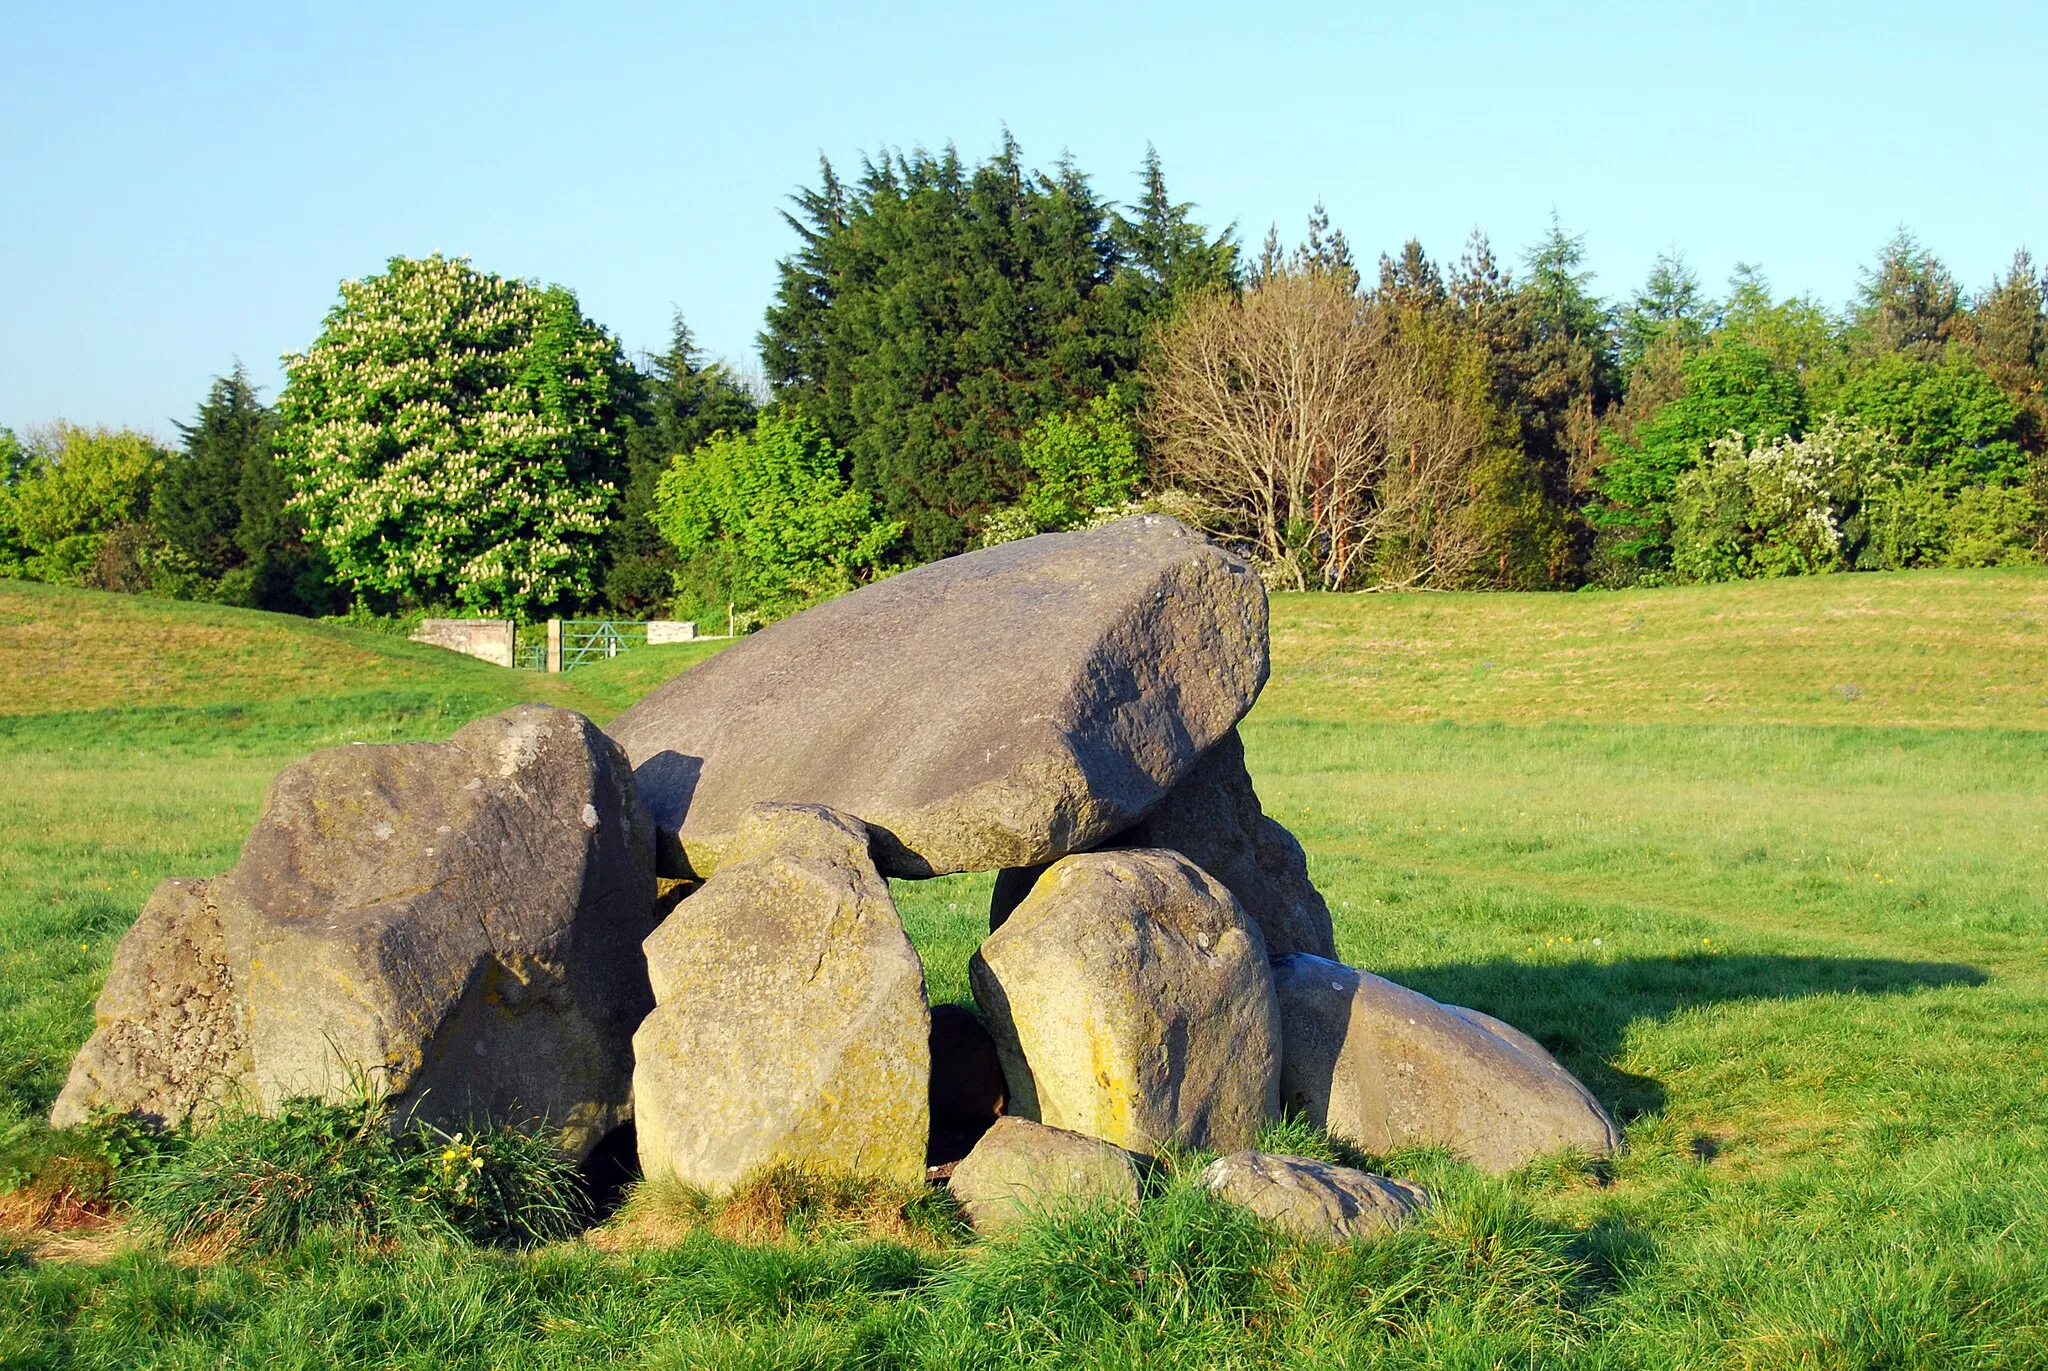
[(1776, 510), (452, 438)]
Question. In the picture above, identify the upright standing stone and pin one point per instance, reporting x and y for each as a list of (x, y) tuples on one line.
[(1130, 1000), (790, 1021), (997, 709), (454, 924), (1384, 1067), (1213, 818)]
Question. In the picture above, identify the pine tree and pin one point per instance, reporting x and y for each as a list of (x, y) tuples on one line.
[(1669, 305), (1561, 306), (1413, 280), (1907, 303), (1553, 369), (2011, 332), (1272, 257), (1326, 249)]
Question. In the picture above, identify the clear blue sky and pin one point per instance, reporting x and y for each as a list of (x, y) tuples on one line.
[(182, 185)]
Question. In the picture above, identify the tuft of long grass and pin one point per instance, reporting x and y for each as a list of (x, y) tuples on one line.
[(497, 1187), (1186, 1277), (789, 1202), (264, 1183), (260, 1184)]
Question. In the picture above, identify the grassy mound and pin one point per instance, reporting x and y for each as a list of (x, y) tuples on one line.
[(1763, 863)]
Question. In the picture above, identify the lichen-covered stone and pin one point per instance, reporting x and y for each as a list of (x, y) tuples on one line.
[(453, 924), (1313, 1199), (1020, 1168), (1214, 819), (790, 1021), (169, 1039), (996, 709), (1130, 1000), (1384, 1067)]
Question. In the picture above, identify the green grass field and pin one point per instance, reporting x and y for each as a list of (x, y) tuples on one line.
[(1762, 862)]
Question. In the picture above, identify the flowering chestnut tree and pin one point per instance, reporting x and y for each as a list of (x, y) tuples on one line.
[(453, 438)]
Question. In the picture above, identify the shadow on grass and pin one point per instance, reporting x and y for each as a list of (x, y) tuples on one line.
[(1580, 1010)]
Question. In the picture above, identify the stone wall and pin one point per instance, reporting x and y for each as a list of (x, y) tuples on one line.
[(488, 640), (671, 631)]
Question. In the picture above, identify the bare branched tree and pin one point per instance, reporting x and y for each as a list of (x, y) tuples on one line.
[(1260, 403), (1326, 432)]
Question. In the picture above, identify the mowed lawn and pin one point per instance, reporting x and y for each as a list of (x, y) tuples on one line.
[(1763, 863)]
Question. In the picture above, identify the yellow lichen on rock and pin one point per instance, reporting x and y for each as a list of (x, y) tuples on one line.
[(790, 1020)]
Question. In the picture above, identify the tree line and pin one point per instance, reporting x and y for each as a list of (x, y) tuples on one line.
[(957, 354)]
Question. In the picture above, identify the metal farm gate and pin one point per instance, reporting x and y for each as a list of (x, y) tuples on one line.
[(595, 640)]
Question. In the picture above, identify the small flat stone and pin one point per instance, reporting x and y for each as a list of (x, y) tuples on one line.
[(1312, 1199), (1020, 1167)]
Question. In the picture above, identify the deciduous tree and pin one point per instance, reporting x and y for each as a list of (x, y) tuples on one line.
[(769, 520), (454, 437)]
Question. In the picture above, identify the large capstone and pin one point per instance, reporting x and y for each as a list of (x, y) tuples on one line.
[(1130, 1000), (791, 1023), (998, 709), (1214, 819), (1384, 1067), (455, 925)]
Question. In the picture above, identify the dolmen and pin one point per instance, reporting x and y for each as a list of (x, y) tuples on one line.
[(471, 927)]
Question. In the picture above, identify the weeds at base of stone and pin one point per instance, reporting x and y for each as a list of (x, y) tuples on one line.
[(786, 1201)]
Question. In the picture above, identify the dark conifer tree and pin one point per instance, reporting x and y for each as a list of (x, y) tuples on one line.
[(223, 504), (933, 312), (1167, 250), (197, 502), (1907, 304)]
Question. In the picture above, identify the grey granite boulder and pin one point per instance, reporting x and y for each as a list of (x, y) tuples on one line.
[(454, 924), (1214, 819), (1312, 1199), (1130, 1000), (1383, 1067), (791, 1023), (997, 709), (1020, 1168), (169, 1041)]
